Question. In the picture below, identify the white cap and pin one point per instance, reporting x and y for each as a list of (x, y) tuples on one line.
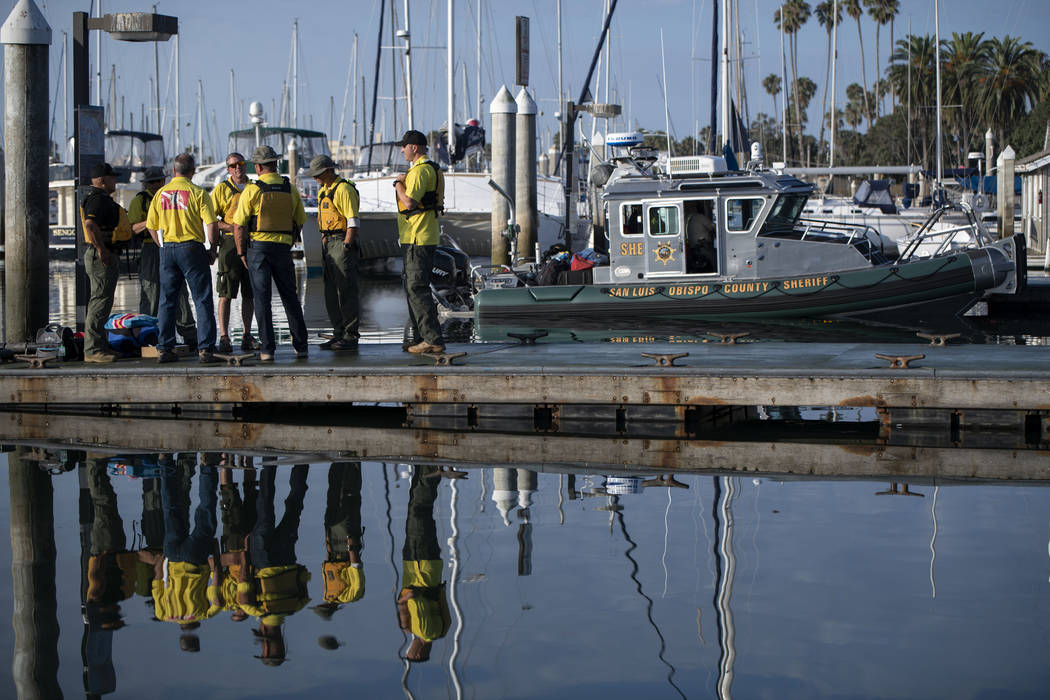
[(26, 25), (526, 105), (503, 103)]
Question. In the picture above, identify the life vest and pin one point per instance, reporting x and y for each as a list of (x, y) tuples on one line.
[(329, 219), (275, 208), (227, 215), (146, 198), (432, 200), (283, 593), (117, 237), (343, 582)]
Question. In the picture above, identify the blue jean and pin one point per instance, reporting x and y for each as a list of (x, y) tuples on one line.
[(273, 543), (178, 262), (180, 544), (268, 261)]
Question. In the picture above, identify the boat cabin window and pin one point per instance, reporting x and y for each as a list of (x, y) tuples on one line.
[(663, 221), (632, 219), (784, 215), (701, 243), (741, 213)]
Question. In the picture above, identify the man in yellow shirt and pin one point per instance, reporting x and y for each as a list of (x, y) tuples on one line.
[(232, 274), (269, 215), (182, 212), (149, 259), (422, 606), (337, 219), (418, 231)]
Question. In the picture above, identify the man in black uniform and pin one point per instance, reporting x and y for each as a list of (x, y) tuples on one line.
[(102, 217)]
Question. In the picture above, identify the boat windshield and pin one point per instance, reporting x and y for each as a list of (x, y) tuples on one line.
[(784, 214), (124, 150)]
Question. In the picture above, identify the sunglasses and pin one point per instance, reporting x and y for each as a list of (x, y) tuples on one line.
[(231, 166)]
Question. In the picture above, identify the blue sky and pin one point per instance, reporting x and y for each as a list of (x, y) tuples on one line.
[(254, 39)]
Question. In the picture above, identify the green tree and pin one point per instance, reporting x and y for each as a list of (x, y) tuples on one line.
[(912, 63), (795, 14), (1029, 137), (771, 83), (964, 67), (1011, 84), (882, 12)]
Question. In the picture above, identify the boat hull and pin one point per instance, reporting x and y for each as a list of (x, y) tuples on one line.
[(952, 283)]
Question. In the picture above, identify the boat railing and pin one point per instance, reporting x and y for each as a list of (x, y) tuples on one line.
[(943, 238), (847, 234)]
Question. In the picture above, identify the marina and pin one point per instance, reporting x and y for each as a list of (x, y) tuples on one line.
[(613, 357)]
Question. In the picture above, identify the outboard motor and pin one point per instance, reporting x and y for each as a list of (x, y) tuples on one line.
[(450, 279)]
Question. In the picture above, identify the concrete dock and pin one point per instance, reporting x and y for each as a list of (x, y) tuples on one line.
[(956, 377)]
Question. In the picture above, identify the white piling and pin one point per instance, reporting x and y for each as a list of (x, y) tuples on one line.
[(502, 111), (525, 173), (1005, 196)]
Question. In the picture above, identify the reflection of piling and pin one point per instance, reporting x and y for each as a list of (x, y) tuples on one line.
[(504, 491), (35, 610), (26, 37), (527, 481), (525, 173), (502, 109)]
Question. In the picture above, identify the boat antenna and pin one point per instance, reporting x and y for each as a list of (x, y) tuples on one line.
[(375, 84)]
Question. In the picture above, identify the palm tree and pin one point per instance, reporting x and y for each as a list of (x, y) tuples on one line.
[(853, 9), (795, 14), (825, 12), (881, 13), (771, 83), (922, 52), (1012, 83), (964, 65)]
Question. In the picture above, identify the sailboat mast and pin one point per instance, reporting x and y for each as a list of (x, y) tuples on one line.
[(937, 62), (784, 89), (451, 83), (724, 93), (295, 74), (834, 64), (477, 67), (408, 70)]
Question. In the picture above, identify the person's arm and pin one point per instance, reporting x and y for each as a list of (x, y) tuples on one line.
[(211, 232), (93, 236), (219, 205), (404, 202)]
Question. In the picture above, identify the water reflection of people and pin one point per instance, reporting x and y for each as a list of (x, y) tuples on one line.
[(111, 567), (344, 576), (422, 606), (186, 575), (273, 583), (238, 519)]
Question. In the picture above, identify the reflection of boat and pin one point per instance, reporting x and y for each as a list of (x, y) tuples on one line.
[(702, 242)]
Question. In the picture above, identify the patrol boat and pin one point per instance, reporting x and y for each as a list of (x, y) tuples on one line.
[(694, 240)]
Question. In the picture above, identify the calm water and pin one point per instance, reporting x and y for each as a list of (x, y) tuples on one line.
[(559, 586)]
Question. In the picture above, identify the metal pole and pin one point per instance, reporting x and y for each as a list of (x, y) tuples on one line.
[(233, 105), (98, 58), (178, 101), (834, 63), (937, 65), (561, 90), (784, 89), (451, 81), (26, 37), (502, 111), (525, 172), (295, 74), (724, 91), (408, 71), (156, 84), (65, 96), (477, 73)]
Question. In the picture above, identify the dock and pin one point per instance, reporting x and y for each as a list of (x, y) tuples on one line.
[(954, 377)]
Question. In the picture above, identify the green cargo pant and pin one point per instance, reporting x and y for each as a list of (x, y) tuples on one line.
[(103, 284), (422, 311), (341, 296)]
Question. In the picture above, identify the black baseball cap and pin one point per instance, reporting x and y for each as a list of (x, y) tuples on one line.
[(413, 137), (102, 170)]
